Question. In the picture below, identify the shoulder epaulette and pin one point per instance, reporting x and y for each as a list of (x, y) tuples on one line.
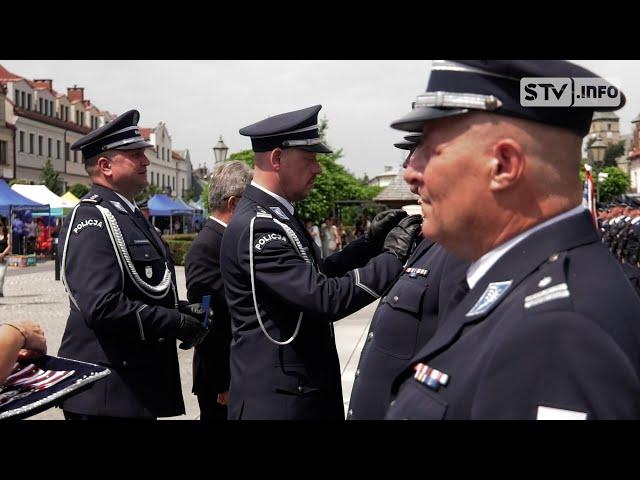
[(94, 199)]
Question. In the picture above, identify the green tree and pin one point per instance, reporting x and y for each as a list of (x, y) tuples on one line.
[(147, 193), (204, 198), (50, 179), (246, 156), (612, 152), (189, 194), (18, 181), (617, 183), (79, 189)]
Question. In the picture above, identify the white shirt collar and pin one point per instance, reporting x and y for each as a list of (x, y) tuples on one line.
[(481, 266), (132, 206), (282, 200), (218, 220)]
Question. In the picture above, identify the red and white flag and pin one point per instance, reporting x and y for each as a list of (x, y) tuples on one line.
[(588, 196)]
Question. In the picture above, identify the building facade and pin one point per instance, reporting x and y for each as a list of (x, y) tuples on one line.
[(40, 124)]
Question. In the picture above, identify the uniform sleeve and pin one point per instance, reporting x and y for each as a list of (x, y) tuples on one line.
[(280, 271), (95, 281), (355, 255), (557, 365)]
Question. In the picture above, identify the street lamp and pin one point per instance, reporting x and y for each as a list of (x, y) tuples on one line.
[(220, 151), (597, 149)]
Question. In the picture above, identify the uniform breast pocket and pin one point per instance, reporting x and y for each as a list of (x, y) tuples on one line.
[(147, 261), (396, 331), (416, 402)]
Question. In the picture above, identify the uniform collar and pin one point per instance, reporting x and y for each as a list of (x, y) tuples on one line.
[(132, 206), (481, 266), (280, 199)]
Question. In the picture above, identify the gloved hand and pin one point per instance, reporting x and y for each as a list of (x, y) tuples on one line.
[(194, 310), (382, 224), (190, 331), (401, 239)]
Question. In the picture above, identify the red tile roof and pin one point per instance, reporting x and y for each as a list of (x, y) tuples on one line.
[(176, 156)]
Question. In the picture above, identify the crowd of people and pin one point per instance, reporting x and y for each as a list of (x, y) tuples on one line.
[(500, 301)]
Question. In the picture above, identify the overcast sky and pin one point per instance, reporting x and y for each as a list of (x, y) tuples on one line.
[(199, 100)]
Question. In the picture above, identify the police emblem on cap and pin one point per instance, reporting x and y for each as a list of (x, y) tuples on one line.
[(148, 271), (297, 129)]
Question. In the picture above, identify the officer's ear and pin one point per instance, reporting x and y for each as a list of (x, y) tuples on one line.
[(506, 164), (232, 203), (104, 165), (275, 159)]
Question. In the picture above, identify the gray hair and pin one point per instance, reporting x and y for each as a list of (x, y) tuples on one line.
[(227, 179)]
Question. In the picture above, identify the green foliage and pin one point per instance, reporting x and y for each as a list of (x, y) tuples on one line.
[(616, 184), (189, 194), (179, 245), (612, 152), (50, 179), (148, 192), (79, 190), (18, 181), (246, 156), (204, 200)]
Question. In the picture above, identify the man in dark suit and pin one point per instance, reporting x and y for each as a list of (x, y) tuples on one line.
[(121, 285), (202, 268), (549, 326), (282, 295)]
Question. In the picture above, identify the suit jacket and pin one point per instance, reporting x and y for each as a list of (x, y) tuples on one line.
[(116, 321), (299, 380), (406, 318), (202, 269), (551, 330)]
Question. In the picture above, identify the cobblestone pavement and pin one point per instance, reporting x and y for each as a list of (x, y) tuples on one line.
[(32, 293)]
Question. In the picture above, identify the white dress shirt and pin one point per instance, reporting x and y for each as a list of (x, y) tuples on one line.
[(282, 200)]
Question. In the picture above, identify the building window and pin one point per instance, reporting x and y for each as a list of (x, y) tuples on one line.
[(3, 153), (58, 149), (66, 151), (75, 156), (16, 97), (39, 144), (31, 135), (157, 179), (40, 105), (49, 147), (22, 141), (173, 181), (51, 110), (28, 101), (183, 187), (163, 180), (22, 101)]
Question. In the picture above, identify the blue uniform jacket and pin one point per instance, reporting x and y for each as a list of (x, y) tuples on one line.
[(551, 330), (406, 318), (300, 380), (115, 322)]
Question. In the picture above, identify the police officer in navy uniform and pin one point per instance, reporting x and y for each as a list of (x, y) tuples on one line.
[(407, 316), (282, 296), (211, 375), (549, 327), (121, 286)]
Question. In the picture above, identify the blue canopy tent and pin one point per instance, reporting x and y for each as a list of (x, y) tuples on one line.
[(160, 205), (12, 201)]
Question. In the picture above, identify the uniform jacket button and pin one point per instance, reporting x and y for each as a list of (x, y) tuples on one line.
[(370, 336), (124, 363), (395, 298), (146, 255), (300, 388), (350, 413), (393, 402), (160, 340), (357, 373), (384, 300)]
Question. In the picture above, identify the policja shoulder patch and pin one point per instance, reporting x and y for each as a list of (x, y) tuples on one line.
[(90, 222), (261, 242)]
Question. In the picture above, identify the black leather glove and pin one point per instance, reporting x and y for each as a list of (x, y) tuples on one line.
[(195, 310), (382, 224), (401, 239), (190, 331)]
